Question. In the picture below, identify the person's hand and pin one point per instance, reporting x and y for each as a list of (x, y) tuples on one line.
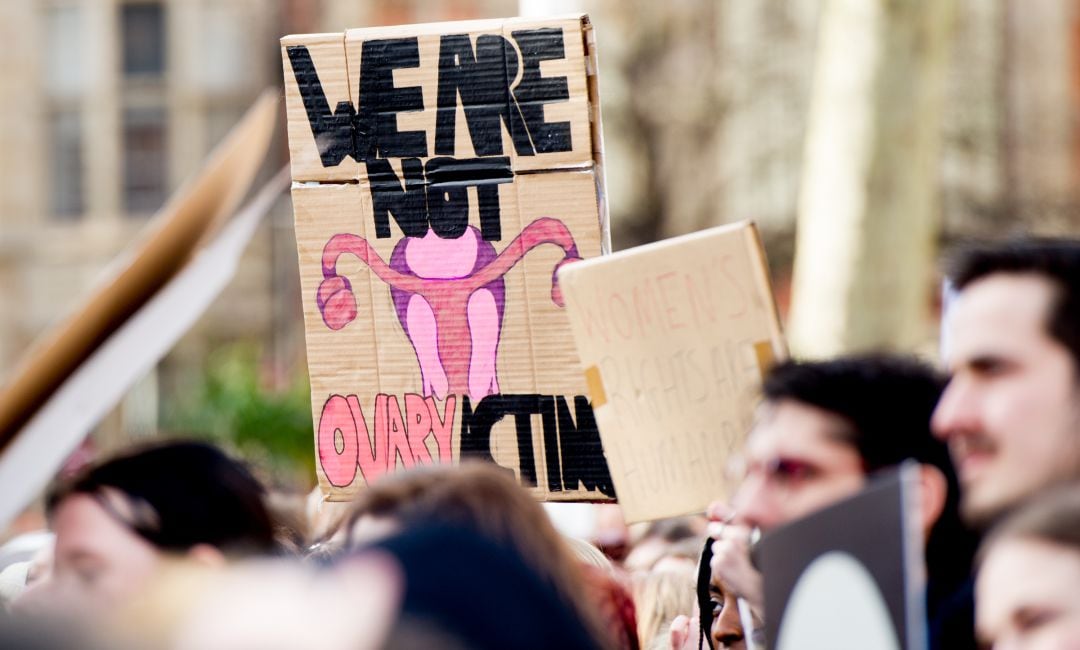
[(731, 566), (720, 511), (684, 633)]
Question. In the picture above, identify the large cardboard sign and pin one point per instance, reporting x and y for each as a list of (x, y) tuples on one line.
[(674, 338), (442, 174), (852, 575)]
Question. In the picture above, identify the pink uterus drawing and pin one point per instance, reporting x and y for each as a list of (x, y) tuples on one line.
[(449, 295)]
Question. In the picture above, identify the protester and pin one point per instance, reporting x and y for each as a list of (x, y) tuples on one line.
[(589, 555), (116, 522), (265, 603), (720, 624), (1011, 412), (466, 590), (664, 541), (19, 634), (822, 430), (1029, 577), (288, 513), (22, 581), (659, 597), (24, 561), (486, 499)]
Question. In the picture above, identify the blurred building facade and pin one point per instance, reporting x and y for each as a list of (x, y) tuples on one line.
[(107, 105)]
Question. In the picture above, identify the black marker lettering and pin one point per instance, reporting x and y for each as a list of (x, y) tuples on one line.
[(380, 101), (482, 79), (334, 131), (533, 91)]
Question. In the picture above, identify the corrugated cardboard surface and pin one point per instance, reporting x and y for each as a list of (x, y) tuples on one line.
[(328, 55), (339, 71), (672, 337), (366, 375)]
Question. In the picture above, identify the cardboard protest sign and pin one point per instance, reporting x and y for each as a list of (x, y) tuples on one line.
[(175, 233), (442, 174), (674, 338), (128, 353), (852, 575)]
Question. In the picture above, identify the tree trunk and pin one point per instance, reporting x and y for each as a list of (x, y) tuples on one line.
[(867, 218)]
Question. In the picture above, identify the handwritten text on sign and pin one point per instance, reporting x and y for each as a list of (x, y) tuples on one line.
[(672, 337)]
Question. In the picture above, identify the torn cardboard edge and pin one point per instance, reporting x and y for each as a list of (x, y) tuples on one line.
[(193, 213), (592, 79)]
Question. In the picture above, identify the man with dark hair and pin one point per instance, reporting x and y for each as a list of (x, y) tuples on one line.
[(1011, 412), (822, 430), (852, 415)]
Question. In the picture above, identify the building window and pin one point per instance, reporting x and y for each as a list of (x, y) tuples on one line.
[(145, 177), (63, 53), (225, 48), (65, 164), (144, 129), (227, 74), (64, 83), (142, 30)]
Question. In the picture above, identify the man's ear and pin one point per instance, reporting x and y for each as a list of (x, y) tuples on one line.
[(207, 556), (933, 489)]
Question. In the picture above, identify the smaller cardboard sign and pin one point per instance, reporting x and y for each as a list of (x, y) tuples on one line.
[(851, 575), (673, 339)]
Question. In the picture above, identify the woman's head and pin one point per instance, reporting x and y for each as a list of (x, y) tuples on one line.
[(1028, 588), (480, 497), (721, 628), (660, 596), (113, 522)]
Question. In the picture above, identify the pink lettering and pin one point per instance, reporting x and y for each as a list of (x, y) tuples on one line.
[(443, 427), (623, 318), (665, 295), (394, 434), (372, 458), (418, 427), (399, 439), (744, 302), (339, 466)]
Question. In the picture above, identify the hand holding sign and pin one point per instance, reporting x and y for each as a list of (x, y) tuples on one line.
[(731, 564)]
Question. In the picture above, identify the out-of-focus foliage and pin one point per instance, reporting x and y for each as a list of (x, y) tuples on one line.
[(235, 406)]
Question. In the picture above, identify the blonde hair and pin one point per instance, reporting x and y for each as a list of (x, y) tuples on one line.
[(660, 596), (490, 501), (589, 554)]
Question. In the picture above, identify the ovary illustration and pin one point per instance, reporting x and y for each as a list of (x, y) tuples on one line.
[(449, 296)]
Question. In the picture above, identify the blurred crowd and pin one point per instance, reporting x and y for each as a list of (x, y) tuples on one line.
[(178, 546)]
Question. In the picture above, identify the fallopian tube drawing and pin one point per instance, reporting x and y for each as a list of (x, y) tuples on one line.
[(449, 296)]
